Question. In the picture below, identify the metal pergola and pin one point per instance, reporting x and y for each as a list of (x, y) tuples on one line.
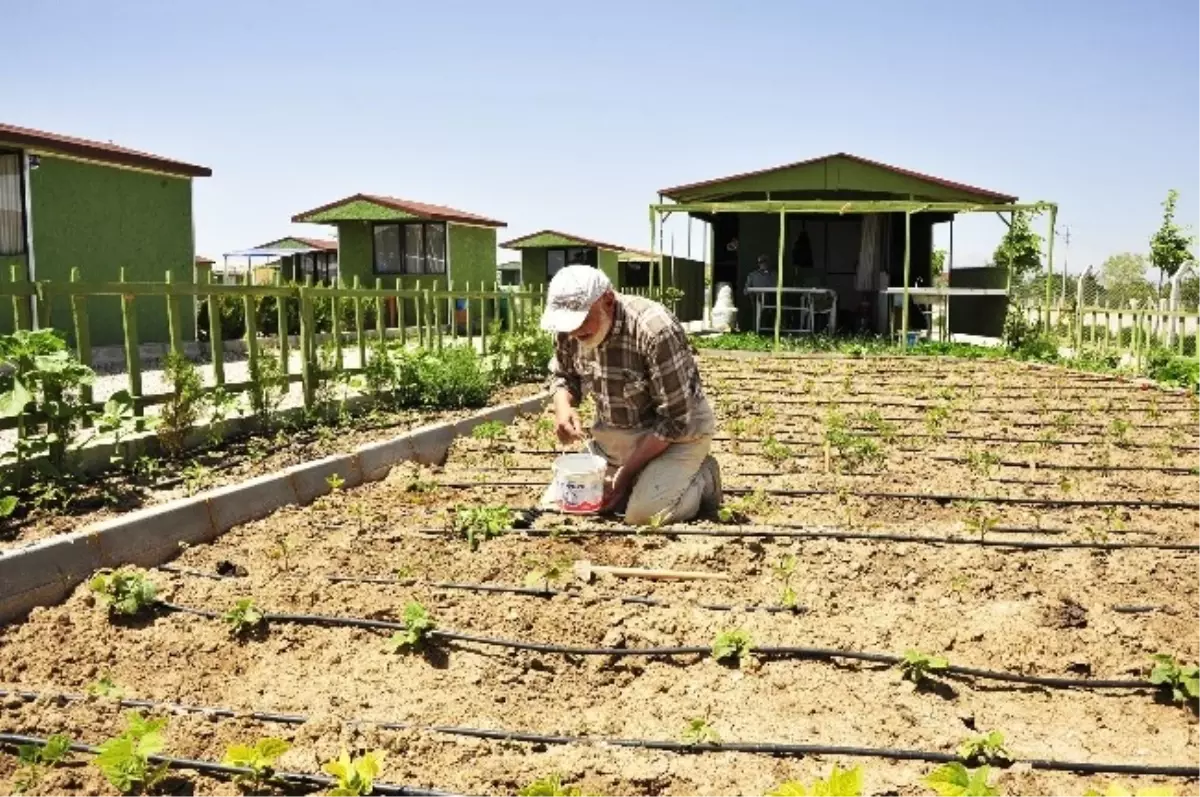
[(661, 211)]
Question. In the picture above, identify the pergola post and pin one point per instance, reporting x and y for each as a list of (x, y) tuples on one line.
[(779, 277), (653, 220), (1050, 263), (907, 273)]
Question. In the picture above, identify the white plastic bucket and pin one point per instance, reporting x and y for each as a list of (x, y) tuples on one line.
[(579, 482)]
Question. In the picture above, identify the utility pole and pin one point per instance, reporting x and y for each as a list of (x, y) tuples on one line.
[(1065, 237)]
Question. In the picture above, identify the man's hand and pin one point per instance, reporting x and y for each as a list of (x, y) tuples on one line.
[(567, 425), (616, 489)]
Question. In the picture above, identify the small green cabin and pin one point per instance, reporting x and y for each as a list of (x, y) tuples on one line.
[(68, 202)]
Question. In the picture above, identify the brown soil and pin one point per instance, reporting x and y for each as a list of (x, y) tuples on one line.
[(1035, 612), (229, 463)]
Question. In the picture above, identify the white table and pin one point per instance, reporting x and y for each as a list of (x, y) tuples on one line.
[(806, 306), (934, 295)]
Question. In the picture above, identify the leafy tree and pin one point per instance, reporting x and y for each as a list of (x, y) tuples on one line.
[(1123, 276), (937, 264), (1020, 250), (1171, 246)]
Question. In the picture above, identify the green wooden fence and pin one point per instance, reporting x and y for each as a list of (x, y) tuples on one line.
[(460, 314)]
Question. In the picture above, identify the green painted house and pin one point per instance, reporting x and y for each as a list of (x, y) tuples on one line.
[(543, 253), (854, 253), (69, 202)]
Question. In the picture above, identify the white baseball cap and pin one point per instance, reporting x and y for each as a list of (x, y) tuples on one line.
[(571, 295)]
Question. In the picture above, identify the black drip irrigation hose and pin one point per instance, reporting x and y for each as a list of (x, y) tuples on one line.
[(766, 399), (12, 740), (798, 532), (962, 436), (762, 748), (765, 651), (935, 497)]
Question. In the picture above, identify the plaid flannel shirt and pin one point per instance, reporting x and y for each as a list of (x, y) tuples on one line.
[(643, 376)]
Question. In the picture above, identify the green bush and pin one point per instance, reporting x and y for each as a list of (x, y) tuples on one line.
[(1164, 366), (233, 319), (454, 378), (521, 355)]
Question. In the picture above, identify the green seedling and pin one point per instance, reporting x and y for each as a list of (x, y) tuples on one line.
[(125, 592), (36, 759), (697, 731), (282, 551), (955, 780), (479, 523), (1181, 683), (244, 617), (259, 759), (1118, 430), (656, 521), (936, 421), (978, 520), (489, 431), (872, 419), (784, 569), (355, 776), (986, 749), (335, 481), (732, 646), (775, 452), (916, 666), (840, 783), (105, 687), (125, 759), (544, 572), (853, 450), (549, 786), (743, 508), (196, 477), (982, 462), (1062, 423), (1118, 789), (417, 625)]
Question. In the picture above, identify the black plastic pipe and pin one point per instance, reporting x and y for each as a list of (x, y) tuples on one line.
[(10, 740), (961, 436), (766, 748)]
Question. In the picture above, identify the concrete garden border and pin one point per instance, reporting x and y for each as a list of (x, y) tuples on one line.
[(45, 572)]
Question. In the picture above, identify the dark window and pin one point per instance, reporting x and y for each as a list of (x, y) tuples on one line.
[(12, 205), (574, 256), (412, 248), (555, 260)]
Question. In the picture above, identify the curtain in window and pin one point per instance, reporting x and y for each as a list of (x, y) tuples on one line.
[(388, 258), (414, 248), (12, 210), (435, 249)]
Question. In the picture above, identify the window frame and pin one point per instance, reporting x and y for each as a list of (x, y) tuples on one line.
[(592, 257), (23, 242), (424, 259)]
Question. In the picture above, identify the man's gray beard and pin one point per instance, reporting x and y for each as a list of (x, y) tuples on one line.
[(590, 344)]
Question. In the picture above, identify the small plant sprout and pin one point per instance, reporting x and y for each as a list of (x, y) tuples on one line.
[(936, 420), (872, 419), (417, 625), (731, 646), (355, 776), (259, 759), (244, 617), (1118, 789), (840, 783), (1062, 423), (982, 462), (1118, 430), (125, 592), (490, 432), (656, 521), (36, 759), (335, 481), (105, 687), (744, 507), (1181, 683), (916, 666), (478, 523), (698, 731), (549, 786), (784, 569), (775, 452), (544, 572), (196, 477), (282, 551), (986, 749), (955, 780), (976, 518), (125, 760)]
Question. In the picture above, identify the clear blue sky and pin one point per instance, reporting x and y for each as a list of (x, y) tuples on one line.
[(555, 114)]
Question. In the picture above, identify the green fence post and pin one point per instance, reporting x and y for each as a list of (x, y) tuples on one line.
[(1181, 326), (174, 330), (42, 291), (483, 318), (20, 301), (306, 347), (400, 320), (250, 308), (83, 337), (215, 335), (335, 323), (133, 360), (281, 308), (436, 330), (467, 316), (451, 314), (380, 325), (360, 333), (421, 312), (907, 274)]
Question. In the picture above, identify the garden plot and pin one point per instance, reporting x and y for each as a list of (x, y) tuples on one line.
[(844, 560)]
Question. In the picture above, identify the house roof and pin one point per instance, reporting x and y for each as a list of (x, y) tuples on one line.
[(511, 265), (553, 238), (201, 260), (693, 191), (97, 150), (374, 207), (325, 244)]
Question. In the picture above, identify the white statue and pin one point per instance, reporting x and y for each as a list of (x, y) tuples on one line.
[(723, 312)]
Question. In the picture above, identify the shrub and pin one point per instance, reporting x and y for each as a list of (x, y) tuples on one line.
[(184, 405)]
